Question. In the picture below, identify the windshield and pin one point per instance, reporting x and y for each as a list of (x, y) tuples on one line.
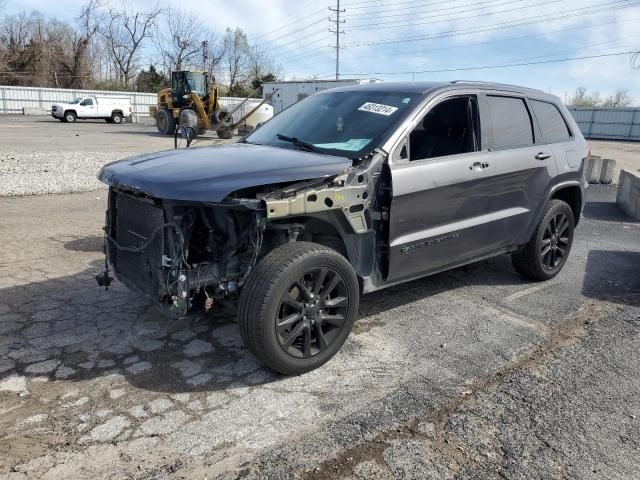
[(197, 83), (348, 123), (78, 100)]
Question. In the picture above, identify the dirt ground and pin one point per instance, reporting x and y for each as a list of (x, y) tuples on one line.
[(474, 373), (626, 155)]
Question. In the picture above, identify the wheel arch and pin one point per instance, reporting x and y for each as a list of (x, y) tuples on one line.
[(572, 195), (332, 230)]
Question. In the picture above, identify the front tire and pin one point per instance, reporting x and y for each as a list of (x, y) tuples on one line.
[(545, 254), (298, 306), (165, 123), (70, 117)]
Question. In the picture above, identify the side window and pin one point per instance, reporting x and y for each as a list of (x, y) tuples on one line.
[(451, 127), (511, 121), (553, 127), (87, 102)]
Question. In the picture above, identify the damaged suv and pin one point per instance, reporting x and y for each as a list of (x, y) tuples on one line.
[(346, 192)]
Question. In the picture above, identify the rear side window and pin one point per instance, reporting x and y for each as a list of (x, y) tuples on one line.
[(511, 122), (552, 125)]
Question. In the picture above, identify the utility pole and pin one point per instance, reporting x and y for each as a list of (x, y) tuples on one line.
[(337, 31), (205, 54)]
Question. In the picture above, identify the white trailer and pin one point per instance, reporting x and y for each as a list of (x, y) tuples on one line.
[(288, 93), (111, 109)]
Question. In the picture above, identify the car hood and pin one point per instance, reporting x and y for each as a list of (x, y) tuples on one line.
[(210, 174)]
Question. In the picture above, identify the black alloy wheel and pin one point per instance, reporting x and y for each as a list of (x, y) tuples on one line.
[(312, 313), (545, 254), (297, 307), (555, 241)]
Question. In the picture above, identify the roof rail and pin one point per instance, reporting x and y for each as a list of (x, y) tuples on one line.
[(480, 82)]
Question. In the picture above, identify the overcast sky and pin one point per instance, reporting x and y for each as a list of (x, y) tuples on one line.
[(383, 37)]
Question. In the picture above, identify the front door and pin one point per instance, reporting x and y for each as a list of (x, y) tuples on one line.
[(87, 108)]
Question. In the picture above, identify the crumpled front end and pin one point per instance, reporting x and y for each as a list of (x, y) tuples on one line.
[(181, 255)]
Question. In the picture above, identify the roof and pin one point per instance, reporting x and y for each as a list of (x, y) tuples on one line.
[(313, 81), (425, 88)]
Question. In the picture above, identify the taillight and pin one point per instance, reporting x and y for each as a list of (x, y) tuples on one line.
[(587, 152), (130, 110)]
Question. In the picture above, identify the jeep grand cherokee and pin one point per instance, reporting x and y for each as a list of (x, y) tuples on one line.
[(347, 192)]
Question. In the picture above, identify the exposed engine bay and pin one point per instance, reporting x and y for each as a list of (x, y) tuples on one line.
[(179, 254)]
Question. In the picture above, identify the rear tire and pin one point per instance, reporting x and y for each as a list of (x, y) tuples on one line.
[(116, 118), (545, 254), (225, 134), (298, 306), (165, 123), (70, 117)]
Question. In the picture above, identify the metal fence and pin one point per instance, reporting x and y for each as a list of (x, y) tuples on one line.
[(608, 123), (14, 99)]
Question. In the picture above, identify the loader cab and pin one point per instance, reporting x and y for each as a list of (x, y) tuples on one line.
[(183, 83)]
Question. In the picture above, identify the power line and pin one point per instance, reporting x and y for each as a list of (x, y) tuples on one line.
[(500, 25), (289, 24), (354, 5), (558, 16), (429, 10), (416, 21), (337, 31), (504, 65), (499, 40)]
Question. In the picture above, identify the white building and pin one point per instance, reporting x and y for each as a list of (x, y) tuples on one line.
[(288, 93)]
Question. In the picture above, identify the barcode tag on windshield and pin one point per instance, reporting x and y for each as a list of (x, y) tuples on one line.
[(378, 108)]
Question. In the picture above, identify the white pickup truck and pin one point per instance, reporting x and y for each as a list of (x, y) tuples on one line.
[(112, 109)]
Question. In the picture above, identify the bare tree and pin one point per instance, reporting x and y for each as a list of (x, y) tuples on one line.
[(76, 62), (236, 58), (213, 53), (581, 99), (260, 62), (620, 99), (180, 39), (125, 32)]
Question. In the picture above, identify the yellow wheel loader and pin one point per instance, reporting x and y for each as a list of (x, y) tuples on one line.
[(192, 102)]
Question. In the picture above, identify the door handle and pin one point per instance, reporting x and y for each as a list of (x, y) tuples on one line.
[(542, 156), (479, 166)]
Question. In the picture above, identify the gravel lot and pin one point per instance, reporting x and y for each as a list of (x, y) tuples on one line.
[(36, 173), (42, 155)]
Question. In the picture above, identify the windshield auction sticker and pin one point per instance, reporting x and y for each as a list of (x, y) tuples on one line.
[(378, 108)]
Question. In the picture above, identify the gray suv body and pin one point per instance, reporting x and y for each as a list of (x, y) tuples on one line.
[(351, 190)]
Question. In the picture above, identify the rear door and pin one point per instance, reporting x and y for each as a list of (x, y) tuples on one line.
[(522, 161)]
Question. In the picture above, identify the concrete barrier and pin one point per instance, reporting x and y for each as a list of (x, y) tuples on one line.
[(594, 172), (599, 170), (606, 174), (628, 198), (33, 111)]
